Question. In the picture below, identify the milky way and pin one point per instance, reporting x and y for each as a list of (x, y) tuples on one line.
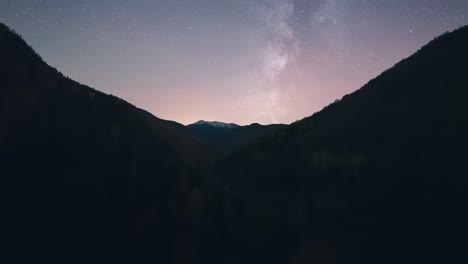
[(245, 61)]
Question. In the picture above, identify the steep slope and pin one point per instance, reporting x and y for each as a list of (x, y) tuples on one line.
[(229, 138), (377, 177), (85, 176)]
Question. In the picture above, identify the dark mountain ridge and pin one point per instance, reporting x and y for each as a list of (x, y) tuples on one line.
[(229, 138), (87, 177), (379, 176)]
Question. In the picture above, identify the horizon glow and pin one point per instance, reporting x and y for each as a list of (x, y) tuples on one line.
[(264, 61)]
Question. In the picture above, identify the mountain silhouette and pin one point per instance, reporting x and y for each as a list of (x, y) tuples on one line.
[(87, 177), (379, 176), (214, 124), (228, 138)]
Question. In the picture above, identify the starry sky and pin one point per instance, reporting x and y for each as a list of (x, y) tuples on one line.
[(243, 61)]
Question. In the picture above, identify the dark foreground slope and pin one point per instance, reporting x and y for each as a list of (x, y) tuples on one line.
[(380, 176), (86, 177)]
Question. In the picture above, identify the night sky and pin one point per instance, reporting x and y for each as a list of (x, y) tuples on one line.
[(238, 61)]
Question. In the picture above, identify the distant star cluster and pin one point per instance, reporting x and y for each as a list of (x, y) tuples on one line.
[(244, 61)]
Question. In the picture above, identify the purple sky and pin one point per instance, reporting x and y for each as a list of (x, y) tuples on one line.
[(242, 61)]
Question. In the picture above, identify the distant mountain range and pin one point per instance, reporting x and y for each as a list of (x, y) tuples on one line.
[(213, 124), (379, 176), (228, 138)]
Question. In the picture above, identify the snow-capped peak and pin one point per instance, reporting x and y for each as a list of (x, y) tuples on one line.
[(214, 124)]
